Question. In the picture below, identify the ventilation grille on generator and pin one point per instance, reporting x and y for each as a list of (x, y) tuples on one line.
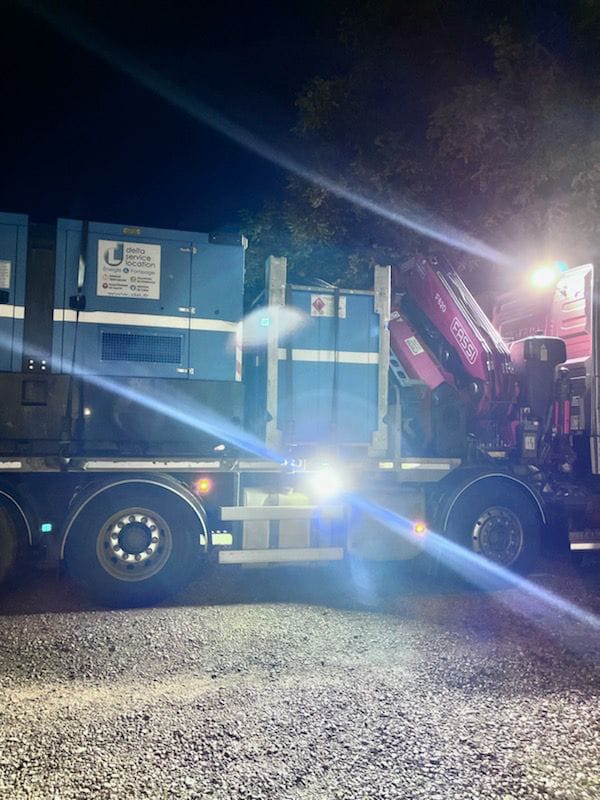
[(141, 347)]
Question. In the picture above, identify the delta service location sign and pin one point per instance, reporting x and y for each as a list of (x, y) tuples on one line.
[(128, 269)]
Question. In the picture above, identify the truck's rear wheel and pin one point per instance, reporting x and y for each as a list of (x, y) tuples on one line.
[(498, 521), (134, 544), (9, 546)]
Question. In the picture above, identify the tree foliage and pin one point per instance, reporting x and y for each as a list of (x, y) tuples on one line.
[(443, 119), (521, 147)]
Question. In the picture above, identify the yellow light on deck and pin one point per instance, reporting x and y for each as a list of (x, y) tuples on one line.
[(419, 529)]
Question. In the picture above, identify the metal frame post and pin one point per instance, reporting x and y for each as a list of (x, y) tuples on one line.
[(382, 304), (275, 282)]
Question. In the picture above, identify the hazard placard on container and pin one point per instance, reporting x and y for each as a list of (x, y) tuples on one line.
[(323, 305), (128, 269)]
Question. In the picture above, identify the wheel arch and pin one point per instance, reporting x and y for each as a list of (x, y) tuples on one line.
[(23, 508), (165, 482), (464, 483)]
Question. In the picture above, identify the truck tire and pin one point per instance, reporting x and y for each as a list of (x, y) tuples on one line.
[(134, 545), (497, 520), (9, 547)]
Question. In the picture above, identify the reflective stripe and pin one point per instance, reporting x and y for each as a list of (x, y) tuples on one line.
[(112, 466), (443, 465), (12, 312), (285, 555), (221, 538), (585, 546), (238, 513), (342, 357), (147, 320)]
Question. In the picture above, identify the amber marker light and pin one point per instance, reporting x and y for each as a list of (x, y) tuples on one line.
[(203, 485)]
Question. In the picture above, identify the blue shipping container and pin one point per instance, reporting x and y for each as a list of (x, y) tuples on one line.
[(328, 369)]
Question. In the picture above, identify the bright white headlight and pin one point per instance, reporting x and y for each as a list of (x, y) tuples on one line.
[(547, 275), (327, 483), (543, 277)]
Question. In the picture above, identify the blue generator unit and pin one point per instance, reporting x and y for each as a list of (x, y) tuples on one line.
[(131, 338), (147, 303)]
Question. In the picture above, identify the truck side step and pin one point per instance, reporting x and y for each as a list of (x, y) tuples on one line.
[(588, 539), (280, 512), (282, 556)]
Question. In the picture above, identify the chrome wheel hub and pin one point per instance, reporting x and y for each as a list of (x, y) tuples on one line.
[(134, 544), (498, 535)]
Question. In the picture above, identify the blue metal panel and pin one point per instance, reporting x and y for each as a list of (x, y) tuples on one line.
[(217, 301), (328, 373), (141, 332), (310, 411), (212, 355), (218, 281), (357, 331), (13, 266)]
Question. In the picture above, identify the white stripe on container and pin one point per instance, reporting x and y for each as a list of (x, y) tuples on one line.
[(12, 312), (324, 356), (145, 320)]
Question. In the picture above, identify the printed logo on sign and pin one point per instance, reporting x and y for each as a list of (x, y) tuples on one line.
[(128, 269), (462, 337), (113, 256)]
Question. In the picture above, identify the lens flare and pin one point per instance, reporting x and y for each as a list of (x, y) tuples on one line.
[(557, 616), (544, 277), (544, 608), (399, 213), (184, 410), (327, 483), (278, 322)]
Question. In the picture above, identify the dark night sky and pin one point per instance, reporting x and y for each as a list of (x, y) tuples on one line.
[(80, 139)]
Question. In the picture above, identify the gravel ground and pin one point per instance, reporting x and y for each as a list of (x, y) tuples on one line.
[(303, 684)]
